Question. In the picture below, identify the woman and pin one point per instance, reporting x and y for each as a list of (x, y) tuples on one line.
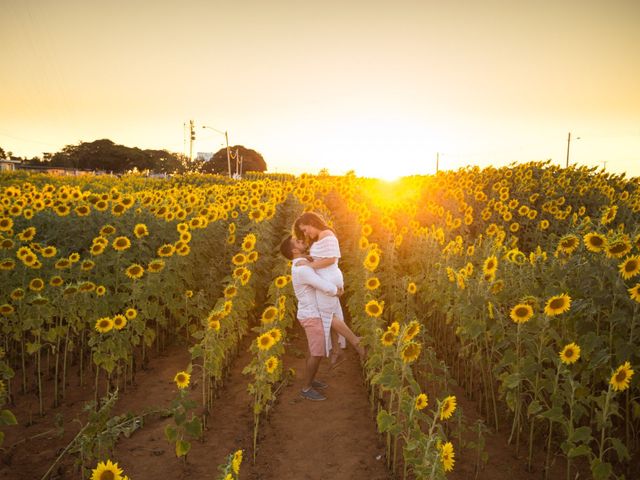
[(325, 252)]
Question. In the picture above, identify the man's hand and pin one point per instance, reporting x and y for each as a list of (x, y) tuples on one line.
[(339, 292)]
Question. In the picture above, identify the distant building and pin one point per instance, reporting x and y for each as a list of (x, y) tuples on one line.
[(7, 165), (205, 156)]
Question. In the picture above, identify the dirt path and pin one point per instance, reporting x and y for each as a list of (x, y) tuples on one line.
[(300, 440)]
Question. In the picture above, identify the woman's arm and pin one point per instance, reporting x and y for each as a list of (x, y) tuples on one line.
[(319, 263)]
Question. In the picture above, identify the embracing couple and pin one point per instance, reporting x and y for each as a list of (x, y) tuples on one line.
[(318, 283)]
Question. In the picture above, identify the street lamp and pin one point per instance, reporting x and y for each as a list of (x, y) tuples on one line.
[(226, 138)]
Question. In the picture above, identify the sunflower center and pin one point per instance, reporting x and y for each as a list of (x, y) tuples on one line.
[(631, 266), (104, 323), (568, 353), (556, 303), (621, 376), (522, 312), (107, 475)]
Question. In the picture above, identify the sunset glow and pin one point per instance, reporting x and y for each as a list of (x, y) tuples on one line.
[(378, 88)]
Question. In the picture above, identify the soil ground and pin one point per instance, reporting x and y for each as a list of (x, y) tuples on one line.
[(302, 440)]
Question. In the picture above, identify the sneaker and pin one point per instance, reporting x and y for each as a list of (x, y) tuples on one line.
[(311, 394), (319, 385)]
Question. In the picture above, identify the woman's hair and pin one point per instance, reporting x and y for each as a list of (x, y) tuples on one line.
[(309, 218)]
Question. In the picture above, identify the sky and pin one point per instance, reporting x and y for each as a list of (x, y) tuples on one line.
[(378, 87)]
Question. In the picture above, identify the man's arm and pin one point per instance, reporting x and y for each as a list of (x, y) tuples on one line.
[(308, 276)]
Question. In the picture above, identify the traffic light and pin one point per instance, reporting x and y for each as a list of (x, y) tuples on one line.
[(193, 132)]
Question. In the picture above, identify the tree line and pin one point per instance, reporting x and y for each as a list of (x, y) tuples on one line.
[(105, 155)]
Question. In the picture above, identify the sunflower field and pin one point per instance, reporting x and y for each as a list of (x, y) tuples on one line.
[(518, 288)]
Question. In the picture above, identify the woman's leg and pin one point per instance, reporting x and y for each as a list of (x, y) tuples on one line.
[(343, 329)]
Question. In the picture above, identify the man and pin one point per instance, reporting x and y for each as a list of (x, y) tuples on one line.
[(305, 283)]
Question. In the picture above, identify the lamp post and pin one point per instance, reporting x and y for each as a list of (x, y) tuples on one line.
[(226, 138)]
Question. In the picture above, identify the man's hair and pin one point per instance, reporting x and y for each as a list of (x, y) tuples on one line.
[(286, 247)]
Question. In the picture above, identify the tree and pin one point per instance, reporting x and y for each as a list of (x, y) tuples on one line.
[(3, 154), (252, 161), (108, 156)]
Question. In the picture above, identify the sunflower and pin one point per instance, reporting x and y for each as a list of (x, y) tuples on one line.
[(410, 352), (634, 292), (182, 379), (557, 304), (412, 288), (608, 214), (265, 341), (618, 248), (230, 291), (447, 456), (269, 315), (249, 242), (271, 364), (412, 330), (521, 313), (490, 265), (280, 281), (188, 293), (447, 407), (544, 224), (104, 324), (366, 230), (630, 267), (6, 309), (7, 264), (96, 249), (166, 250), (236, 462), (7, 244), (570, 354), (36, 284), (62, 264), (6, 224), (140, 230), (17, 294), (156, 266), (87, 286), (101, 290), (27, 234), (107, 230), (134, 271), (372, 283), (276, 334), (621, 377), (119, 322), (87, 265), (131, 313), (595, 242), (568, 244), (421, 401), (373, 308), (213, 322), (239, 259), (394, 328), (246, 275), (106, 471), (372, 260), (388, 338), (49, 251)]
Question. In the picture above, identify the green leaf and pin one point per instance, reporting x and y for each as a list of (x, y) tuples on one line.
[(579, 451), (7, 418), (554, 414), (621, 449), (534, 407), (388, 378), (581, 435), (386, 422), (194, 427), (600, 470), (182, 448), (171, 433)]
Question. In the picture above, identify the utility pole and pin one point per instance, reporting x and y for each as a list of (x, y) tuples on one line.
[(226, 138), (437, 161), (568, 146), (192, 137)]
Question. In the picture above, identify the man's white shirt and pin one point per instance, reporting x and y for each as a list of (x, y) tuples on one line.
[(305, 283)]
